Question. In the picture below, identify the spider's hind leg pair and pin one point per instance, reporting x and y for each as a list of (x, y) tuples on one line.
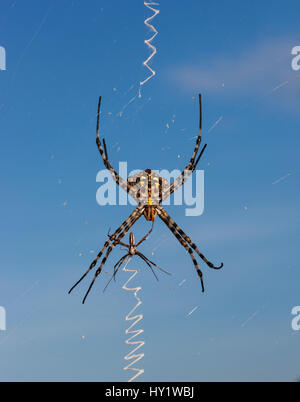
[(110, 244)]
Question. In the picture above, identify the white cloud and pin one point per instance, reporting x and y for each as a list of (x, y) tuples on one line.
[(262, 69)]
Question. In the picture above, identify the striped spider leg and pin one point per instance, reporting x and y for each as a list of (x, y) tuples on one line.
[(103, 152), (134, 216), (132, 250), (109, 250), (185, 174), (186, 242)]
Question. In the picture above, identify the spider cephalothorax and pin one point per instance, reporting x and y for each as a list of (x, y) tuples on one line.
[(149, 190)]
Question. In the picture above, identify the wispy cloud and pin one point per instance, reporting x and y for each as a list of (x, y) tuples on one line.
[(262, 69)]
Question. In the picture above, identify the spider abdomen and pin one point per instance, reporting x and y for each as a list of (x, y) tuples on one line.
[(147, 187)]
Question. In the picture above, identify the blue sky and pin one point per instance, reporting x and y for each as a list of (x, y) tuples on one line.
[(60, 56)]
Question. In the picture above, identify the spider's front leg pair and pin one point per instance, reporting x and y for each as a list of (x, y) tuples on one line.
[(191, 166)]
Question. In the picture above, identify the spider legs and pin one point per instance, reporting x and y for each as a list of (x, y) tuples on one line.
[(144, 258), (184, 244), (200, 132), (145, 237), (120, 262), (191, 165), (116, 268), (153, 263), (106, 244), (149, 265), (187, 239), (103, 152), (112, 246), (105, 149), (120, 242)]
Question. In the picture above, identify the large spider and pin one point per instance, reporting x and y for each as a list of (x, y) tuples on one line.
[(132, 250), (149, 190)]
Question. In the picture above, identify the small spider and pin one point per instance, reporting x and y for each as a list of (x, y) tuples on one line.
[(149, 190), (132, 250)]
